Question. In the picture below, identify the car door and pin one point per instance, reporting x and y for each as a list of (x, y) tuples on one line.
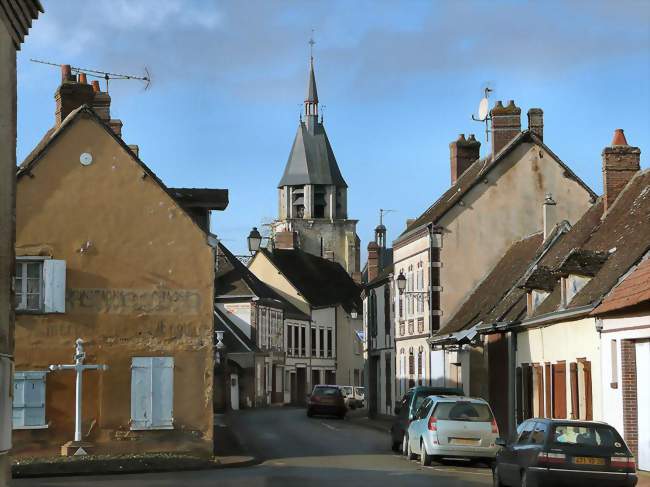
[(509, 461), (402, 420), (418, 422)]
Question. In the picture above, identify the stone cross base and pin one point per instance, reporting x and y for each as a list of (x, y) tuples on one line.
[(73, 448)]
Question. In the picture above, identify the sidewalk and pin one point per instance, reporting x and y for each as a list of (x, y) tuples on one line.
[(380, 423)]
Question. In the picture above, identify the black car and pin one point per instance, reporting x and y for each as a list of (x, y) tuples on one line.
[(326, 399), (554, 452), (406, 408)]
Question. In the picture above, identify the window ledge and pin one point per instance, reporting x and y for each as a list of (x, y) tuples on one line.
[(32, 427), (151, 428)]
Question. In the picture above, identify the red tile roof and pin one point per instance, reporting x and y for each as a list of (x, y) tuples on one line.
[(631, 291)]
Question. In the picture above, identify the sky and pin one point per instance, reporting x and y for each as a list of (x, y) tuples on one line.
[(399, 80)]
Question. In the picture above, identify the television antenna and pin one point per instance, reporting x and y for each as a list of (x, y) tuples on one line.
[(105, 75), (484, 111), (382, 212)]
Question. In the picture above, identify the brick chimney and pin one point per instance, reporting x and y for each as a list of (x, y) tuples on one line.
[(620, 162), (373, 261), (71, 94), (506, 125), (536, 122), (462, 153), (286, 240)]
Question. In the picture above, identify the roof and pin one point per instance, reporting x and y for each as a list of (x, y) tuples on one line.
[(474, 174), (17, 15), (321, 282), (234, 338), (212, 199), (311, 160), (633, 290), (312, 93), (501, 279), (622, 234), (233, 279), (36, 155)]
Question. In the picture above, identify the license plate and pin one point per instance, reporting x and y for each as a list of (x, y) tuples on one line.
[(464, 441), (588, 461)]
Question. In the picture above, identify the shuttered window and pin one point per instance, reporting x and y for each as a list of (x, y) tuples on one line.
[(29, 400), (40, 285), (559, 390), (152, 393)]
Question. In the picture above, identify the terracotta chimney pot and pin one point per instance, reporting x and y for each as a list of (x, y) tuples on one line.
[(66, 72), (96, 88), (619, 138), (82, 79)]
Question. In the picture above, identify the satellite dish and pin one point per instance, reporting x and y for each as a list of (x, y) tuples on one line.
[(483, 109)]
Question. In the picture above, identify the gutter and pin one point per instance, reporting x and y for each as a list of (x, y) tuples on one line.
[(553, 317)]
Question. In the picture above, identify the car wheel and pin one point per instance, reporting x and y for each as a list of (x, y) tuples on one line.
[(410, 455), (496, 477), (425, 458)]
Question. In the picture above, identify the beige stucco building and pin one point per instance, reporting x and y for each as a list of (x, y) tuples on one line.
[(446, 251)]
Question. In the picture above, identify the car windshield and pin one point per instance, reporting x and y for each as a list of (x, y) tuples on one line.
[(463, 411), (326, 391), (596, 435)]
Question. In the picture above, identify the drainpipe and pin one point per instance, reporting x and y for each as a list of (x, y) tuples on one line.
[(430, 296), (512, 389)]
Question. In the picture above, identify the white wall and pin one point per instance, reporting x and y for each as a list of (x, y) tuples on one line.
[(239, 314)]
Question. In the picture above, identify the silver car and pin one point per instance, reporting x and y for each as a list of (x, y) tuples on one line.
[(452, 426)]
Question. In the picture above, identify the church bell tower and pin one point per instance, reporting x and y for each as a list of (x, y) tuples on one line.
[(313, 207)]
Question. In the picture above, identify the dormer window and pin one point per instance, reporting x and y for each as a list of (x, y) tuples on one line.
[(571, 285), (535, 298)]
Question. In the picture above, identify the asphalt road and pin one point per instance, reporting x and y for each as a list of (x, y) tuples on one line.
[(298, 451)]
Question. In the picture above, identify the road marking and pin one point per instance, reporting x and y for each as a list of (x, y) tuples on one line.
[(329, 426)]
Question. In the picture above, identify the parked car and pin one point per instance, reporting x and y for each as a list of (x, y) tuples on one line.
[(554, 452), (326, 399), (452, 426), (360, 396), (406, 408), (348, 395)]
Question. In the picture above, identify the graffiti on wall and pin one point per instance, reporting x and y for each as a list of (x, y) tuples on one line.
[(133, 301)]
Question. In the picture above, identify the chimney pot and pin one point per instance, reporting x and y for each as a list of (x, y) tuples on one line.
[(96, 88), (82, 78), (620, 163), (462, 153), (66, 72), (506, 125), (461, 137)]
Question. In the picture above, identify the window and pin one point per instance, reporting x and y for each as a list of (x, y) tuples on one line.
[(289, 339), (539, 433), (321, 334), (423, 411), (303, 343), (389, 379), (313, 342), (572, 285), (372, 313), (40, 285), (152, 393), (29, 400), (387, 324), (614, 364), (463, 411), (525, 432), (329, 342)]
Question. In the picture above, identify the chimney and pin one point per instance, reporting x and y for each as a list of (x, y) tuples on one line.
[(536, 122), (373, 261), (620, 162), (506, 125), (549, 215), (71, 94), (285, 240), (101, 103), (135, 149), (462, 153)]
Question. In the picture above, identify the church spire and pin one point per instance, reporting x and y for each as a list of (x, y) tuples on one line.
[(311, 100)]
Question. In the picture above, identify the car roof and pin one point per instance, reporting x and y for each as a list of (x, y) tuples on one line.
[(328, 385), (452, 398), (448, 390), (569, 421)]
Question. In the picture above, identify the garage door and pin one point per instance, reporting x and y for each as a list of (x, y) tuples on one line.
[(643, 402)]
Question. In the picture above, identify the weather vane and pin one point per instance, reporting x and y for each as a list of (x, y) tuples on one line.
[(311, 45)]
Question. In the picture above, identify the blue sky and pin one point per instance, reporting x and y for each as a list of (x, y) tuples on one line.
[(400, 81)]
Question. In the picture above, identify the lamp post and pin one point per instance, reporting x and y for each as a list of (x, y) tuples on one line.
[(254, 240), (219, 348), (401, 287)]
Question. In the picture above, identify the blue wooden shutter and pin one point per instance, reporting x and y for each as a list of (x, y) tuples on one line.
[(163, 392), (141, 412), (29, 399)]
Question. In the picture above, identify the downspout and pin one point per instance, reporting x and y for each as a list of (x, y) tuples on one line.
[(512, 390), (430, 299)]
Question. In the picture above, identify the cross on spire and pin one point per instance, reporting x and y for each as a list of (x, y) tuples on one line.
[(311, 45)]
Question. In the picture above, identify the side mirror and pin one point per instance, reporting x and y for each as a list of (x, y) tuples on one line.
[(501, 442)]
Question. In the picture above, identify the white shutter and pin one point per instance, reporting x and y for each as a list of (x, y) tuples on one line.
[(141, 393), (19, 401), (163, 392), (29, 399), (54, 286)]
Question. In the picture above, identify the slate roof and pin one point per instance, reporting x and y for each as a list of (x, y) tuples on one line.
[(234, 280), (35, 156), (312, 93), (491, 291), (633, 290), (474, 174), (212, 199), (321, 282), (311, 160), (17, 16)]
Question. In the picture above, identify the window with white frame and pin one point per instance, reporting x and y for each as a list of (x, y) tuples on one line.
[(152, 393), (420, 287), (40, 285), (29, 400)]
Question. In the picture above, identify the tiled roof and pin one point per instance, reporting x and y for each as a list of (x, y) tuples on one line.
[(233, 279), (633, 290), (17, 15), (321, 282), (474, 175)]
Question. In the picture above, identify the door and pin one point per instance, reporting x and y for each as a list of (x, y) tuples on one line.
[(234, 392), (301, 386), (643, 402), (509, 466), (293, 388)]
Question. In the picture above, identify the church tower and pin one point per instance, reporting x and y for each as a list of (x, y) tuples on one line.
[(313, 210)]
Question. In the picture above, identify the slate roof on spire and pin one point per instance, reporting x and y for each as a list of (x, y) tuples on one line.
[(312, 93)]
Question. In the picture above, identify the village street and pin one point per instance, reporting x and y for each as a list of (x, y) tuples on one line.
[(297, 451)]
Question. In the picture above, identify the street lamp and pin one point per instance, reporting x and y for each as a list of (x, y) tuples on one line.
[(254, 240), (401, 282), (219, 347)]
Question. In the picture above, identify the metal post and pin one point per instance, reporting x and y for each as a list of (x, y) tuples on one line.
[(78, 394)]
